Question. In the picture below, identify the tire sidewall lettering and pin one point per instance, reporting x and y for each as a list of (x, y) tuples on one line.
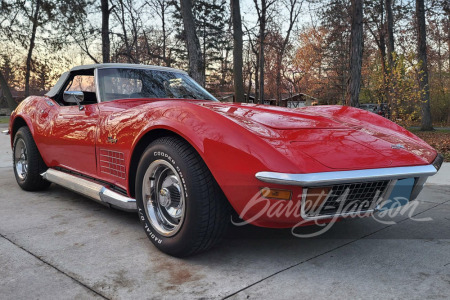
[(147, 229), (167, 157), (151, 234)]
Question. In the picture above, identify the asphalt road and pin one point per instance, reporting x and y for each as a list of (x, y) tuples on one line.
[(59, 245)]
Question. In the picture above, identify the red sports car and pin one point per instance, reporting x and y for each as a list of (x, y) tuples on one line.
[(150, 139)]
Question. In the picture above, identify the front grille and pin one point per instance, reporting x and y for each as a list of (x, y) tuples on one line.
[(351, 198)]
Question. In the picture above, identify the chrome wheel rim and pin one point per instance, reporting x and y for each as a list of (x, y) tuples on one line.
[(21, 159), (163, 197)]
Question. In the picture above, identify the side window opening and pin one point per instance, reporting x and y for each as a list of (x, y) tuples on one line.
[(83, 82)]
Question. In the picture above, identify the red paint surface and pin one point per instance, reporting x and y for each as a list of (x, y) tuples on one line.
[(235, 140)]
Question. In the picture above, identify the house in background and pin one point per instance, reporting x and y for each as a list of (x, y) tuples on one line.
[(290, 101), (299, 100)]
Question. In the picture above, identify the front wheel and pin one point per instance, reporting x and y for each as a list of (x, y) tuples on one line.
[(27, 162), (180, 205)]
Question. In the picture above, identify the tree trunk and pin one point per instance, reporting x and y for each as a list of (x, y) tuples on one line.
[(389, 31), (384, 68), (255, 63), (129, 56), (256, 82), (294, 11), (7, 93), (262, 35), (105, 31), (205, 62), (391, 82), (31, 47), (448, 43), (278, 78), (249, 89), (237, 51), (224, 64), (423, 72), (163, 21), (356, 51), (448, 52), (386, 79), (196, 63)]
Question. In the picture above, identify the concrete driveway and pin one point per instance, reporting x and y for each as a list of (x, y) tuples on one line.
[(59, 245)]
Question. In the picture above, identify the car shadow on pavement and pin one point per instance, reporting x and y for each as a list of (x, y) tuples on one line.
[(246, 239)]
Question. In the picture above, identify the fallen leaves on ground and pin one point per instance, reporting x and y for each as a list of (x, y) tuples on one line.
[(439, 140)]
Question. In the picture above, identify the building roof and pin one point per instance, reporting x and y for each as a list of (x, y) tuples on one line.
[(288, 97), (291, 97)]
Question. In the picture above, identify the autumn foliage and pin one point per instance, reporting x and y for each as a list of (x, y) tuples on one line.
[(439, 140)]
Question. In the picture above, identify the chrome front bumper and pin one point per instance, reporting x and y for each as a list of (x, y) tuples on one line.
[(309, 180), (325, 178)]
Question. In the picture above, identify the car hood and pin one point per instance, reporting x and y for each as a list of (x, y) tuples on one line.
[(337, 137), (273, 117)]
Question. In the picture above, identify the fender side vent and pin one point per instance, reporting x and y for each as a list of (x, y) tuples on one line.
[(112, 163)]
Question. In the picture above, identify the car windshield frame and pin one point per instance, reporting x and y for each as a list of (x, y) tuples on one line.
[(154, 84)]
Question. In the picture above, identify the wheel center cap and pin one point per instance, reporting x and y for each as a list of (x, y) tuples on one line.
[(164, 197)]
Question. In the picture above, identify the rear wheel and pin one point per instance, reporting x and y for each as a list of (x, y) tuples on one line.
[(27, 162), (181, 206)]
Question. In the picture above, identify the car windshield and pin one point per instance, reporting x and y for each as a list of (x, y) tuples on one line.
[(122, 83)]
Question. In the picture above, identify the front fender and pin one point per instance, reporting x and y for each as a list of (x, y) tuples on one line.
[(232, 153), (24, 114)]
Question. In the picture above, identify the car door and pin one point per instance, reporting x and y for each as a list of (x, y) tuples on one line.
[(74, 128)]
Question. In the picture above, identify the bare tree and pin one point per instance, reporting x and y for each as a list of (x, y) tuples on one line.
[(447, 10), (390, 87), (83, 37), (253, 46), (389, 31), (34, 20), (294, 8), (106, 46), (248, 71), (74, 26), (423, 72), (356, 51), (196, 63), (255, 50), (128, 19), (161, 7), (379, 35), (237, 51), (262, 20)]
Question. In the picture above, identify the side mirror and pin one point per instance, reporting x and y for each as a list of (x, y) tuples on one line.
[(74, 97)]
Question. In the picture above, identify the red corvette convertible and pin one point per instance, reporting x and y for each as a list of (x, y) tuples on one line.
[(150, 139)]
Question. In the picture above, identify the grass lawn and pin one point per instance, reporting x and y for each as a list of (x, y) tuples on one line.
[(438, 139), (4, 119)]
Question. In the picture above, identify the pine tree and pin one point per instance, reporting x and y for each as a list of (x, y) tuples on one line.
[(211, 20)]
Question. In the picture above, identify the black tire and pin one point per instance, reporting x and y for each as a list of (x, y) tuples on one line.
[(31, 180), (206, 209)]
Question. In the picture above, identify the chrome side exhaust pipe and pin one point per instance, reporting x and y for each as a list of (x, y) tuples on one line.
[(92, 190)]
